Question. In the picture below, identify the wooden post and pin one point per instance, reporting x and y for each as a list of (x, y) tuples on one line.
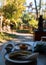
[(1, 19)]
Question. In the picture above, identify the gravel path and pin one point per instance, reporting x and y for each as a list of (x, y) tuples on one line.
[(24, 37)]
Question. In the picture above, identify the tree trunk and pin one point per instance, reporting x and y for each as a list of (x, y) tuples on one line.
[(36, 8), (39, 6)]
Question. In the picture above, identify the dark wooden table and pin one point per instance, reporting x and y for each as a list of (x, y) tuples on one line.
[(39, 34)]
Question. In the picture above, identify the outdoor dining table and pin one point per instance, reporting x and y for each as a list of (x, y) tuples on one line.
[(12, 62)]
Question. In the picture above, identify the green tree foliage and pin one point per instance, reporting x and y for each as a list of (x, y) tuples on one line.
[(14, 9), (26, 18), (29, 20), (33, 23), (9, 10)]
